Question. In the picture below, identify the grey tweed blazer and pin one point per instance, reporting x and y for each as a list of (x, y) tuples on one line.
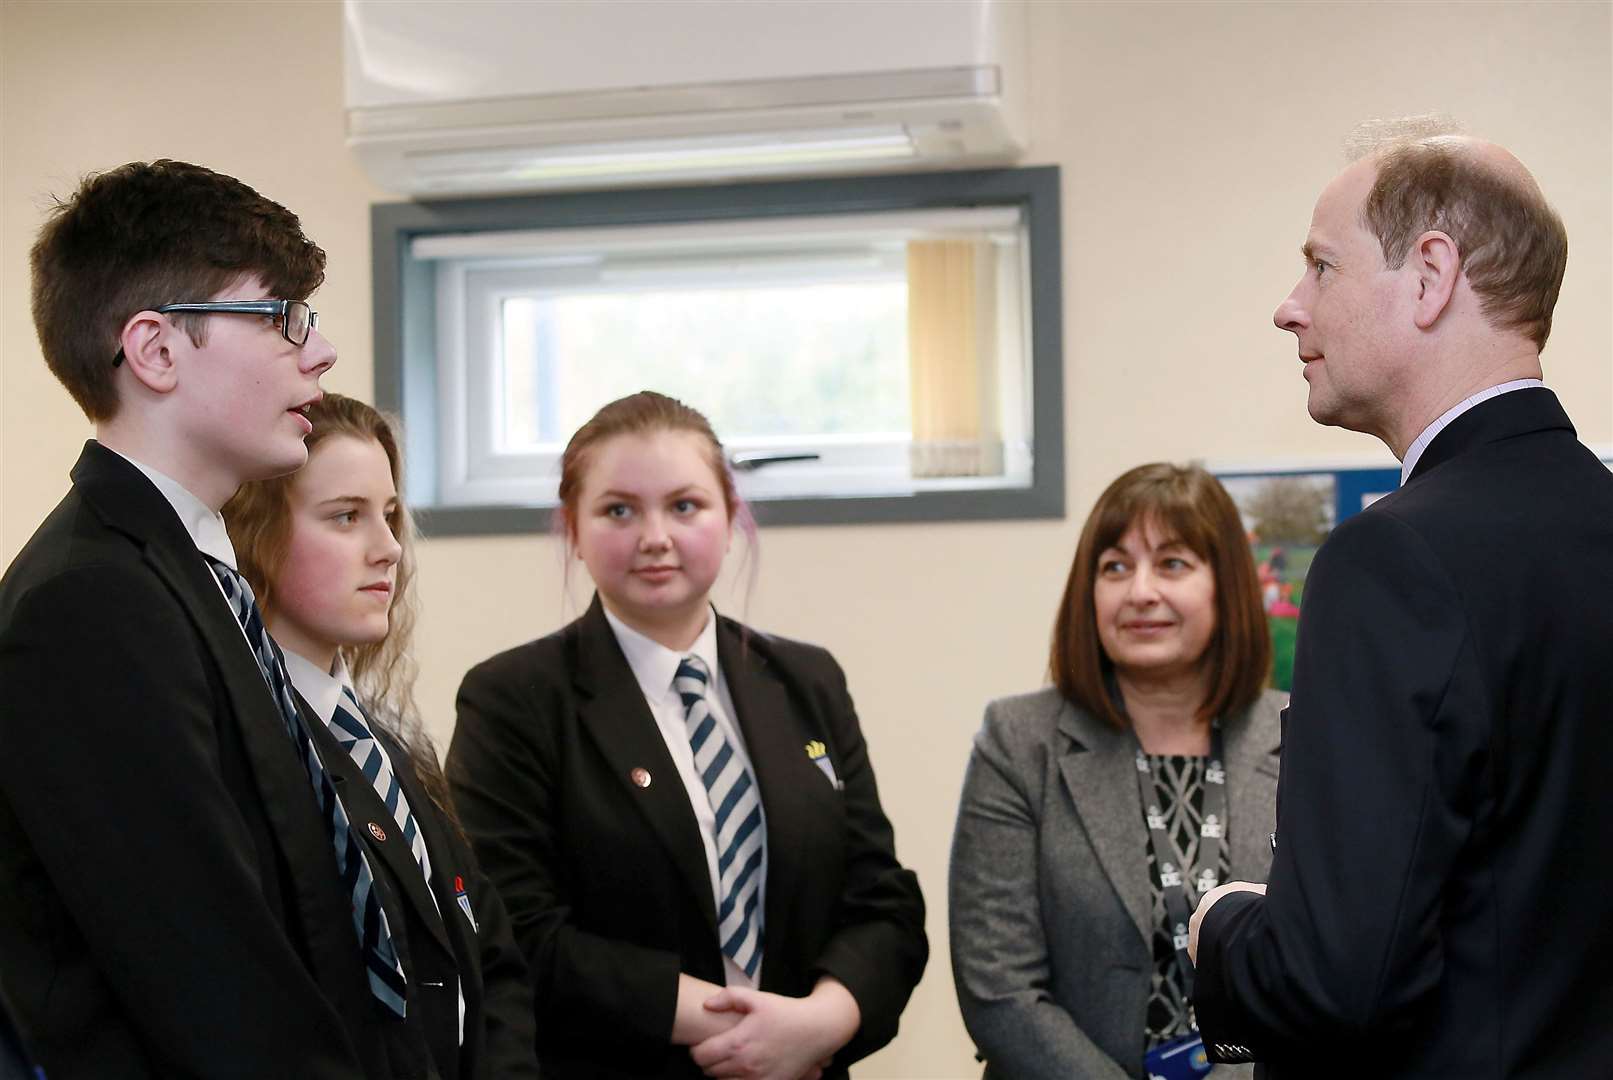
[(1050, 911)]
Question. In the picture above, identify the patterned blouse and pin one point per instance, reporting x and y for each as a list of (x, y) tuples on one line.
[(1179, 788)]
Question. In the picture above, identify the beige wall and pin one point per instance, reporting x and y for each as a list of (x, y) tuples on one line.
[(1193, 139)]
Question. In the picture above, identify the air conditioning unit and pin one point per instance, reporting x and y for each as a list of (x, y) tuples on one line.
[(496, 97)]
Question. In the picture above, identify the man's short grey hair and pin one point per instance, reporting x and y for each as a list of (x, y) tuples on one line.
[(1513, 245), (1373, 137)]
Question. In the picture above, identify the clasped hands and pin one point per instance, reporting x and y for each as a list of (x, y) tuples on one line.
[(755, 1035)]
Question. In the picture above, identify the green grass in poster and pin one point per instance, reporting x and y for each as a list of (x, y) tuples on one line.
[(1283, 632)]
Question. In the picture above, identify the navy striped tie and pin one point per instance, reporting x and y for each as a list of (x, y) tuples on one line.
[(369, 919), (350, 724), (738, 811)]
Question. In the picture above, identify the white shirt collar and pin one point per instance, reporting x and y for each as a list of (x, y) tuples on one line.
[(204, 524), (654, 664), (1414, 452), (321, 689)]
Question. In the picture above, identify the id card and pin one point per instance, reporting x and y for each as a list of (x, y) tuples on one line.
[(1182, 1058)]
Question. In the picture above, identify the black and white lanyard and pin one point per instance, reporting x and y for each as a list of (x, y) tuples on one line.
[(1182, 886)]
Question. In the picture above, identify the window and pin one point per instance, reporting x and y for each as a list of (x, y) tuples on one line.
[(862, 358)]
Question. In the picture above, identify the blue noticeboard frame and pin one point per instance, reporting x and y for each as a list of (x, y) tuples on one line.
[(1354, 489), (1354, 486), (1283, 544)]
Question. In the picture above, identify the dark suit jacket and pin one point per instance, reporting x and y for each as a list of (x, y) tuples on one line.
[(438, 949), (169, 900), (16, 1060), (607, 882), (1441, 898), (1051, 906)]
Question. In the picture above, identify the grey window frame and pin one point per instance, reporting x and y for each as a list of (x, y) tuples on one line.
[(404, 310)]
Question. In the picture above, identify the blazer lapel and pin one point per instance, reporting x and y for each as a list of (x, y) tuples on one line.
[(1099, 772), (368, 813), (128, 502), (1251, 788), (616, 716), (448, 864)]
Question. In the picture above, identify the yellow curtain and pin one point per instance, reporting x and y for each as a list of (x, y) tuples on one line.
[(952, 358)]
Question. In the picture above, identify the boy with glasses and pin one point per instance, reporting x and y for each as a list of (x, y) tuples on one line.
[(170, 901)]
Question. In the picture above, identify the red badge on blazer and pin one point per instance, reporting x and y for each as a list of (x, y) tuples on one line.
[(464, 902)]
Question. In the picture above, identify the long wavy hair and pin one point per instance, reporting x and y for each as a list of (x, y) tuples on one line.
[(258, 519)]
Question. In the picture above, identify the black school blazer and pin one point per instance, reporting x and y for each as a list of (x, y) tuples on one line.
[(169, 900), (166, 885), (606, 881), (439, 943)]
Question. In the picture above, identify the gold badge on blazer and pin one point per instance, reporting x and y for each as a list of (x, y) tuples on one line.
[(818, 754)]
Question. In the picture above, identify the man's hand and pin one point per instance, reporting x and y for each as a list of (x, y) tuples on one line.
[(777, 1037), (1206, 903)]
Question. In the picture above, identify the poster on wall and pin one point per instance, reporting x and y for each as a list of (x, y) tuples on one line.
[(1287, 513)]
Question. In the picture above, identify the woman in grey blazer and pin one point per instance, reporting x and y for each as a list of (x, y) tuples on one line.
[(1156, 747)]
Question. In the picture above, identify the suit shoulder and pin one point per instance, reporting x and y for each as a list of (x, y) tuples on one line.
[(1392, 532), (799, 657), (514, 697), (90, 581), (1379, 523), (1398, 554), (533, 663), (1262, 722), (1027, 718), (1267, 708), (60, 545), (1030, 707), (1019, 738)]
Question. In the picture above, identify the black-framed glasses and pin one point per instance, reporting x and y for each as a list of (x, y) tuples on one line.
[(295, 316)]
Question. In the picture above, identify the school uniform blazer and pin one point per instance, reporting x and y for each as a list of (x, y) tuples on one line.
[(1441, 898), (606, 880), (165, 880), (438, 942), (1050, 902)]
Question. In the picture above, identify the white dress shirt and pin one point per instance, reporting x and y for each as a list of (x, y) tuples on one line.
[(1414, 452), (204, 524), (654, 666), (323, 692)]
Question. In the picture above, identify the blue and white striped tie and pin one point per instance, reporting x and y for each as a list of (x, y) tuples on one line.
[(353, 728), (381, 964), (737, 808), (350, 724)]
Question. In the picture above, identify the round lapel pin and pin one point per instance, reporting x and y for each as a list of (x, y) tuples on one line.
[(377, 832), (640, 776)]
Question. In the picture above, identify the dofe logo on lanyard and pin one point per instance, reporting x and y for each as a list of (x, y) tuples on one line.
[(1182, 886)]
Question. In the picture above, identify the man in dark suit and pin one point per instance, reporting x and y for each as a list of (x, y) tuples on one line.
[(1439, 899), (170, 903)]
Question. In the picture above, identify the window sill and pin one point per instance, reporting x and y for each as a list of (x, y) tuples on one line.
[(923, 506)]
